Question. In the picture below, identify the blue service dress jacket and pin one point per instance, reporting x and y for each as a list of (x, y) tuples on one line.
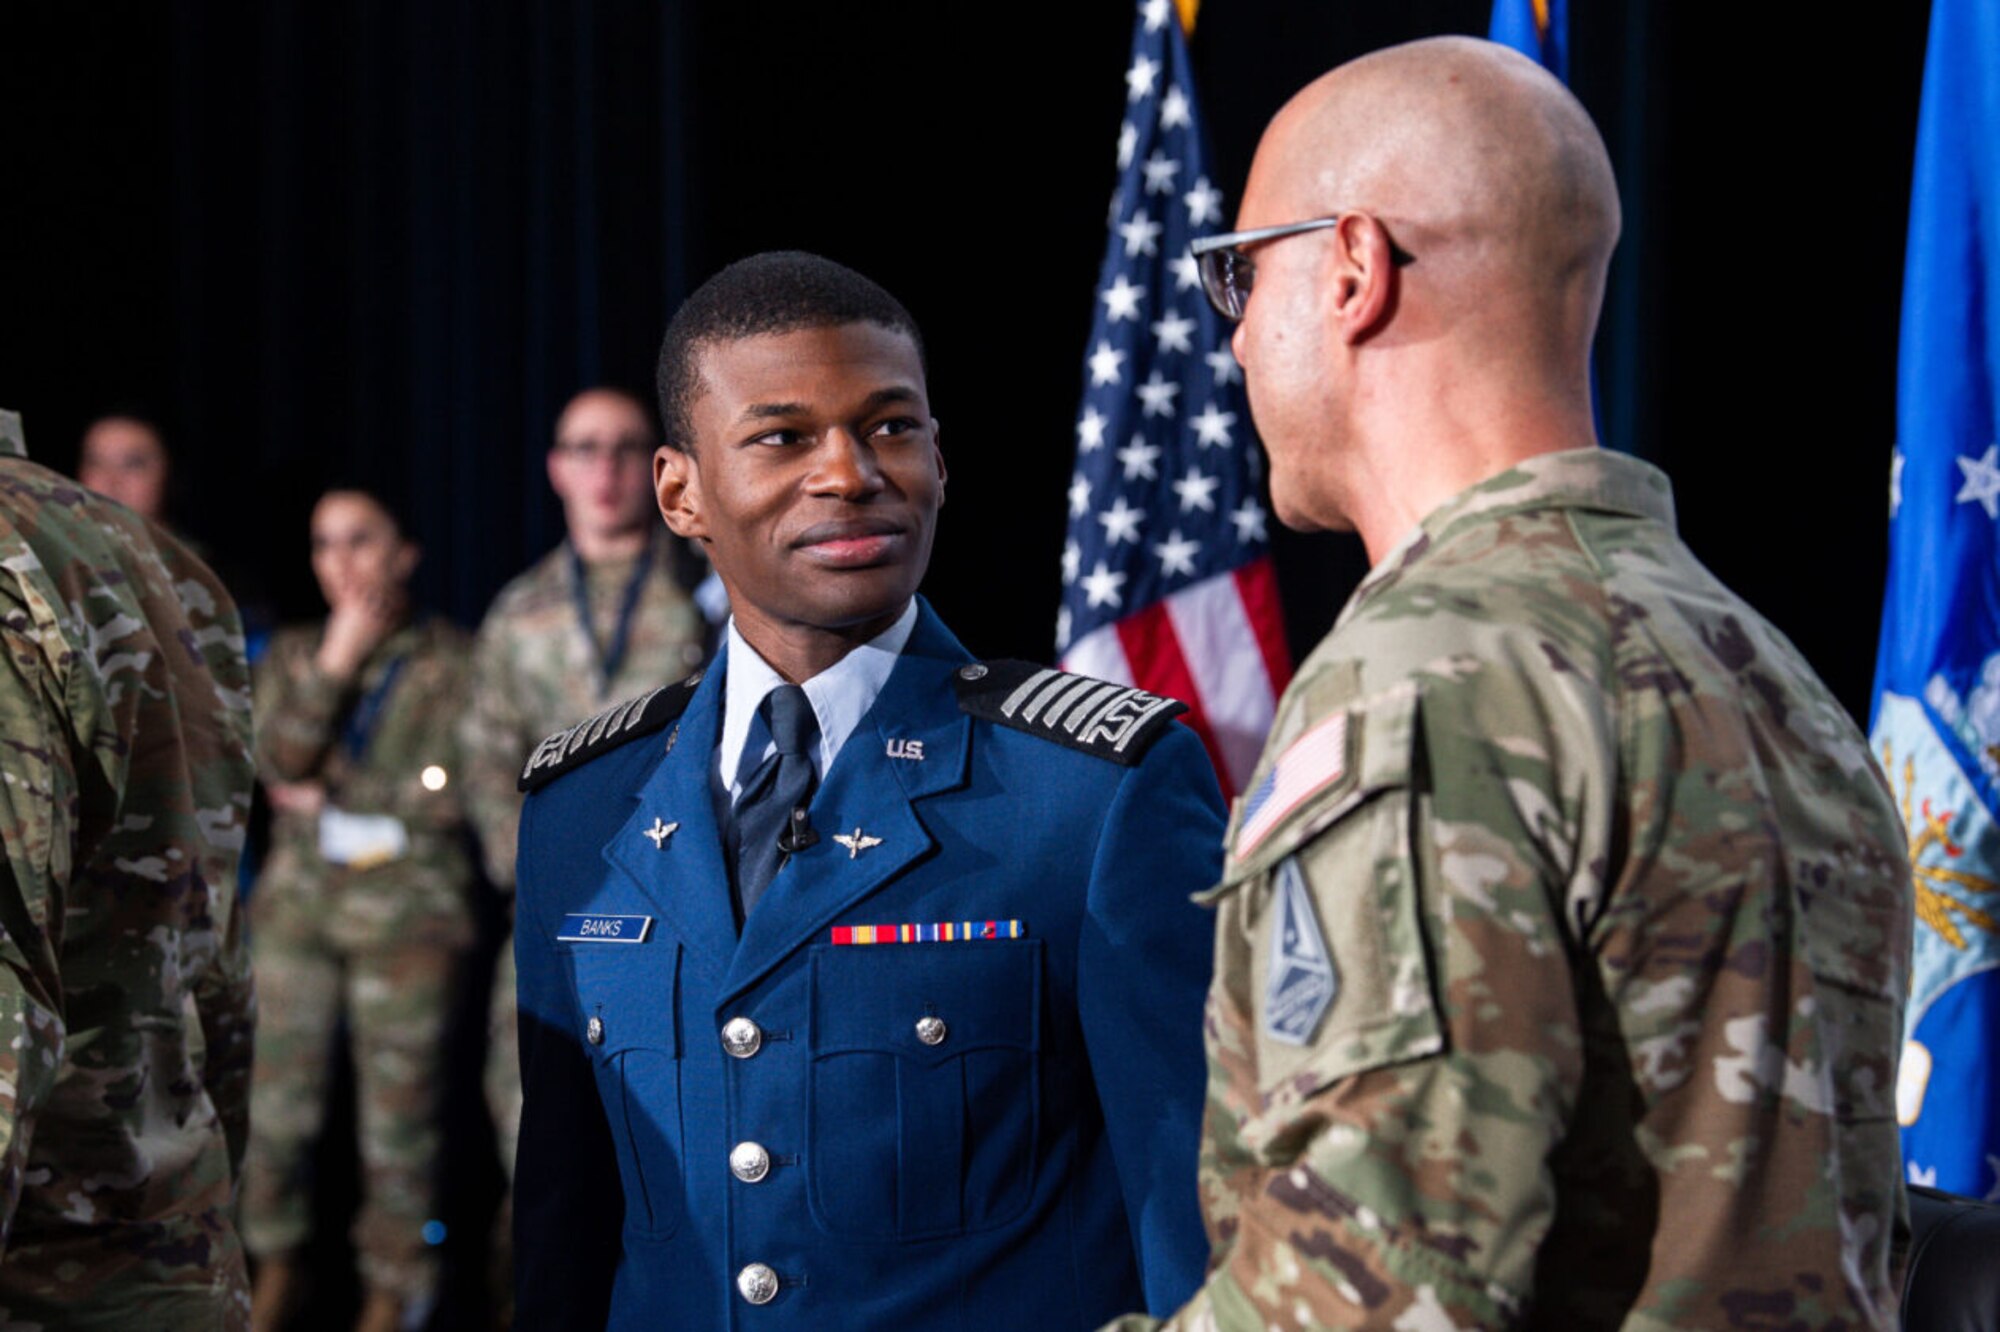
[(772, 1129)]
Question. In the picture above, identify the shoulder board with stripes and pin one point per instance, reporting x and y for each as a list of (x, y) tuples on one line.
[(1112, 721), (575, 746)]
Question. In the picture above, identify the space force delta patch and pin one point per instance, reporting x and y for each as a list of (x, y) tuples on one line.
[(945, 931), (1113, 721), (1302, 981)]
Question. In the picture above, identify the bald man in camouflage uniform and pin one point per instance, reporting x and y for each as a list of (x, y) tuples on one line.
[(537, 668), (125, 998), (1565, 926)]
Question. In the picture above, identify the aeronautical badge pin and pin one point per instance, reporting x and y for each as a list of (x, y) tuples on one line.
[(1302, 981), (856, 842), (660, 831)]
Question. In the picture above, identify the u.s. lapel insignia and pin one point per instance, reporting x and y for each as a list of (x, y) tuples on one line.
[(659, 832), (1302, 981), (856, 842), (907, 749)]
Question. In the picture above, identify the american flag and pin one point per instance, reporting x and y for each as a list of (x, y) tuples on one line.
[(1167, 578)]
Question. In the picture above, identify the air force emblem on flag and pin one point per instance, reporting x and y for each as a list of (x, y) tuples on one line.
[(1302, 981)]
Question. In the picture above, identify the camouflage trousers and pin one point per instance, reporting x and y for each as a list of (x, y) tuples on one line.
[(503, 1060), (396, 996)]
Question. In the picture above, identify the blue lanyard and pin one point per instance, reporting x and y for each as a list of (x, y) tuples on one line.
[(361, 722), (610, 658)]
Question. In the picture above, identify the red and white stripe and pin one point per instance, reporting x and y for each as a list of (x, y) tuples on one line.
[(1308, 766), (1217, 646)]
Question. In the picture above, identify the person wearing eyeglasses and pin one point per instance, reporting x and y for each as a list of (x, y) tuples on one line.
[(1563, 935), (610, 612)]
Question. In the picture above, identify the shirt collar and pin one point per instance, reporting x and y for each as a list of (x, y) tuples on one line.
[(840, 695), (1590, 478), (13, 444)]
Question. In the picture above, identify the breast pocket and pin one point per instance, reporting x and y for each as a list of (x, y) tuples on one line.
[(630, 998), (925, 1094)]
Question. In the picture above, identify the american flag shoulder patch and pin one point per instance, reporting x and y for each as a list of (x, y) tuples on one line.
[(944, 931), (1310, 764)]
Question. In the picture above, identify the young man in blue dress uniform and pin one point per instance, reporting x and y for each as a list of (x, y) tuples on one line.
[(859, 983)]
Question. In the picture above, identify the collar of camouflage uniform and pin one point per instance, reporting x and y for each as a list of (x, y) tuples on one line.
[(13, 443)]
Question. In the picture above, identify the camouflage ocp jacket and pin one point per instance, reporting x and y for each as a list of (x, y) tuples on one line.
[(383, 747)]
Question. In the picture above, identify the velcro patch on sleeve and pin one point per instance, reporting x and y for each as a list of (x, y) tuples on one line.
[(1113, 721), (1310, 764)]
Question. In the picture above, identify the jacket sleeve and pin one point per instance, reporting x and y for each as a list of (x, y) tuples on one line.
[(226, 1000), (1389, 1165), (1143, 969), (296, 707), (38, 786), (568, 1203)]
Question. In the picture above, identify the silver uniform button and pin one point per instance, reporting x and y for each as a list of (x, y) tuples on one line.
[(742, 1038), (757, 1284), (931, 1030), (972, 672), (593, 1030), (749, 1162)]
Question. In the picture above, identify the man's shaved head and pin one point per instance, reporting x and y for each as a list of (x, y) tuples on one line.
[(1456, 144), (1482, 168)]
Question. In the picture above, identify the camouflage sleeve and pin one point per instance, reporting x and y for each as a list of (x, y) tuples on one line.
[(226, 1001), (297, 707), (38, 788), (1380, 1121), (493, 737), (220, 764)]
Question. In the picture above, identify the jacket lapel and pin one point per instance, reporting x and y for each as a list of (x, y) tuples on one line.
[(868, 795), (683, 876)]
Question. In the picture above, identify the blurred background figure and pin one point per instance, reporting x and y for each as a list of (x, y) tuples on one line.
[(608, 614), (124, 458), (361, 911), (125, 990)]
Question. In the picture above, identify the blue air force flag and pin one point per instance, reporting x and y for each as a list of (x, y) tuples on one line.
[(1538, 29), (1936, 724)]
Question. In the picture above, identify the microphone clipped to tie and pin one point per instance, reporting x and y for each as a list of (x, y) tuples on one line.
[(797, 834)]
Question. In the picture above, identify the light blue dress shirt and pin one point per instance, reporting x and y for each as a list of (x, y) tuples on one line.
[(840, 696)]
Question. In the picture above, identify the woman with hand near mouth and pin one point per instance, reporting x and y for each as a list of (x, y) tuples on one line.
[(360, 911)]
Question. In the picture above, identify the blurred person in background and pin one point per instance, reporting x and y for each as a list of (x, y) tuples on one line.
[(123, 457), (361, 910), (605, 615)]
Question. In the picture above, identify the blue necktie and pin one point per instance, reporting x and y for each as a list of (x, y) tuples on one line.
[(770, 816)]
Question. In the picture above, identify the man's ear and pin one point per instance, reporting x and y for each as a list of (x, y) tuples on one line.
[(677, 485), (408, 556), (1361, 285)]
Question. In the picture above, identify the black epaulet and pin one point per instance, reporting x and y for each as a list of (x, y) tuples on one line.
[(578, 744), (1112, 721)]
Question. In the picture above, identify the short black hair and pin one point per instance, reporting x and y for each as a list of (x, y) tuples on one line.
[(779, 291)]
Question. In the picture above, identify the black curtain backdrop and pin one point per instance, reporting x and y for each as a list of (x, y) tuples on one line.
[(383, 242)]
